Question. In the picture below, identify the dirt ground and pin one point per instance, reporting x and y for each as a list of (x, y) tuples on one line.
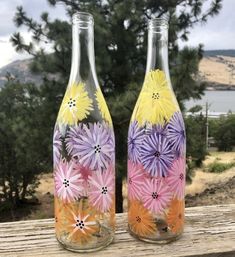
[(205, 189)]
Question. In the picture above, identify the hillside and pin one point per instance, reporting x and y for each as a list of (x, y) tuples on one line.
[(19, 69), (218, 71), (217, 68)]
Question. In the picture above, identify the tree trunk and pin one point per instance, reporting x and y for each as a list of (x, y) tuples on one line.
[(119, 197)]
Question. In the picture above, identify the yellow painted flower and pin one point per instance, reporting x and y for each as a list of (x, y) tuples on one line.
[(76, 105), (175, 216), (140, 220), (103, 107), (156, 103)]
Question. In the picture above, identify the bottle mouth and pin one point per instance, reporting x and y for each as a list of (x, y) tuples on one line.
[(158, 23), (82, 19)]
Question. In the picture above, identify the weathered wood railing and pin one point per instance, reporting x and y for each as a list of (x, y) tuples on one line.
[(210, 231)]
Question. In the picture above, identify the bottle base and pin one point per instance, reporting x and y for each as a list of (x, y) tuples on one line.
[(92, 247), (78, 250), (166, 239)]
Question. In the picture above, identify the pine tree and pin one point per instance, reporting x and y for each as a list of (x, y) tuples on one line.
[(120, 45)]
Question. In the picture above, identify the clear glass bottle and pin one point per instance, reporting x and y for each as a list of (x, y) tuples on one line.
[(84, 152), (156, 149)]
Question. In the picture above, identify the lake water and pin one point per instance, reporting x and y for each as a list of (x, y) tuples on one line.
[(219, 101)]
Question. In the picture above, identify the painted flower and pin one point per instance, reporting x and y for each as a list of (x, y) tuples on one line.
[(176, 132), (175, 216), (140, 220), (156, 195), (160, 130), (76, 105), (135, 140), (135, 179), (157, 103), (156, 155), (176, 178), (68, 183), (81, 224), (103, 107), (92, 145), (57, 145), (85, 173), (102, 189), (73, 134), (60, 209)]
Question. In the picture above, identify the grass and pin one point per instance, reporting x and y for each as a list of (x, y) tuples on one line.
[(218, 167)]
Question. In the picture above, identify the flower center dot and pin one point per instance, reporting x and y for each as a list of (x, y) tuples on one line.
[(154, 195), (66, 182), (104, 190), (155, 96), (97, 148), (138, 219), (181, 176), (157, 154), (71, 102), (80, 224)]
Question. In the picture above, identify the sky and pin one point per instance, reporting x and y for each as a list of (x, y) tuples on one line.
[(217, 33)]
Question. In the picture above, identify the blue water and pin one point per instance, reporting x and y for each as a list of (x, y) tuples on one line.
[(219, 101)]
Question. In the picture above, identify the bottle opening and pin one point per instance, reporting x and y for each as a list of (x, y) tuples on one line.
[(158, 24), (82, 19)]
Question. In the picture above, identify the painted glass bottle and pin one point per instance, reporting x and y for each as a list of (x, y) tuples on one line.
[(156, 149), (84, 152)]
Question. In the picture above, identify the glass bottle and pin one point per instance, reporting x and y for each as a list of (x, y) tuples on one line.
[(156, 149), (84, 152)]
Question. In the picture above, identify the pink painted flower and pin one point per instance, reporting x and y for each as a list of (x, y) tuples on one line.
[(176, 178), (85, 173), (102, 189), (68, 182), (135, 179), (155, 195)]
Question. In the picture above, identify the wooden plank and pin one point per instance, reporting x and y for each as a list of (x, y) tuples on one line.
[(210, 232)]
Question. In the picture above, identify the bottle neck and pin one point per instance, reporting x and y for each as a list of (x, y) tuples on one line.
[(157, 55), (83, 56)]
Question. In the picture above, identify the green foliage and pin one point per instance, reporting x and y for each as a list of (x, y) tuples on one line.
[(23, 151), (218, 167), (225, 133), (120, 45), (196, 138)]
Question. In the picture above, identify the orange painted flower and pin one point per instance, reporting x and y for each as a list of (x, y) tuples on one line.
[(59, 207), (140, 220), (81, 224), (112, 220), (175, 216)]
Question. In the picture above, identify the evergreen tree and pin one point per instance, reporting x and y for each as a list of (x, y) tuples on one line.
[(120, 45)]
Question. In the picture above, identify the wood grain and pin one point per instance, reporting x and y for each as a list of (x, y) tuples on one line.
[(210, 231)]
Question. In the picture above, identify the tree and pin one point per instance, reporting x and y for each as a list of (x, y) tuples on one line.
[(225, 133), (196, 142), (24, 148), (120, 44)]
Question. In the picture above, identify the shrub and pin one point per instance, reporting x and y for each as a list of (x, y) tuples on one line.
[(218, 167)]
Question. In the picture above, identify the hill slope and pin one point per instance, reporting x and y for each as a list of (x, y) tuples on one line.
[(20, 69)]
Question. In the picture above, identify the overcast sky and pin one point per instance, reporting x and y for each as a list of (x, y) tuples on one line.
[(217, 33)]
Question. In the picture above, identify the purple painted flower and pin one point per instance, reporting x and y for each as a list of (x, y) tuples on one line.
[(92, 145), (160, 130), (135, 139), (176, 132), (57, 144), (156, 155), (71, 139)]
